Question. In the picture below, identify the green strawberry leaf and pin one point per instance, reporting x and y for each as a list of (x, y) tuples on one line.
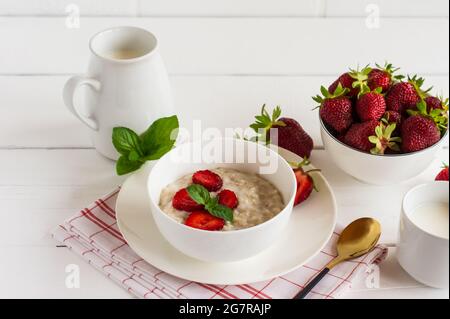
[(389, 130), (373, 139), (276, 114), (325, 92)]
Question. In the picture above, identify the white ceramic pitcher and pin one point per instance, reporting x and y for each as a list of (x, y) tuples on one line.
[(127, 85)]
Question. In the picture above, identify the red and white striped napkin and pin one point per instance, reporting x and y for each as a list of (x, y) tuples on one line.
[(93, 234)]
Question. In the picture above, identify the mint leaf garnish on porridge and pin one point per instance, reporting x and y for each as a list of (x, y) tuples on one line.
[(136, 149), (199, 193), (221, 211), (201, 196)]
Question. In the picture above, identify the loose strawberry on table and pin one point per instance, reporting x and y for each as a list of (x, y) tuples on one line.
[(210, 180), (289, 133), (204, 220), (443, 174)]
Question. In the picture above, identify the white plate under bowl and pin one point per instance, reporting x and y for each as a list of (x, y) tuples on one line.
[(310, 227)]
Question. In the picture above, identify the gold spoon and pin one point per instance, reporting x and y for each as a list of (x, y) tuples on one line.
[(357, 239)]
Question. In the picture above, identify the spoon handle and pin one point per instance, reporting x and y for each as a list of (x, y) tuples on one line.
[(302, 294)]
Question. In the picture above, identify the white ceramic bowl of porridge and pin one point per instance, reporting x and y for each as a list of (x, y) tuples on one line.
[(229, 158)]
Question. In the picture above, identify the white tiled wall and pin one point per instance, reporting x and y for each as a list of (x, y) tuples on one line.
[(266, 8)]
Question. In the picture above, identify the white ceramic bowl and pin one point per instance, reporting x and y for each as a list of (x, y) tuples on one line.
[(378, 169), (221, 246)]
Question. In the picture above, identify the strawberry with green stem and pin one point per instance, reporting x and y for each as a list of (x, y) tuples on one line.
[(437, 115), (264, 122), (335, 108), (384, 140), (363, 136), (435, 102), (305, 183), (285, 132), (390, 117), (405, 95), (422, 129), (418, 82), (383, 77), (438, 103), (352, 81), (370, 105)]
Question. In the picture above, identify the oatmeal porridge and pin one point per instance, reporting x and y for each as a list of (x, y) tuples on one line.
[(259, 200)]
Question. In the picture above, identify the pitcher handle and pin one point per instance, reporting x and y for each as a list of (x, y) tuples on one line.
[(68, 94)]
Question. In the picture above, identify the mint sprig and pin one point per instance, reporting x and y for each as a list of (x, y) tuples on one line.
[(135, 150), (201, 196)]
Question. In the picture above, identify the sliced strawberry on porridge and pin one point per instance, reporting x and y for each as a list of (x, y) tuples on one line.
[(228, 198), (210, 180), (183, 201), (204, 220)]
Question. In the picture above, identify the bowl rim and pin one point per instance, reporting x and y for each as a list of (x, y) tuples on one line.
[(324, 128), (286, 207)]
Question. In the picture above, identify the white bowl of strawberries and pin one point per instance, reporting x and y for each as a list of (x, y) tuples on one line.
[(379, 127), (193, 209)]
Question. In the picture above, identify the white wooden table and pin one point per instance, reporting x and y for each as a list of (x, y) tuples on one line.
[(225, 59)]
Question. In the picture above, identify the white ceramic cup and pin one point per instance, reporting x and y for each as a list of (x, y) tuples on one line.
[(131, 91), (422, 253), (221, 246)]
